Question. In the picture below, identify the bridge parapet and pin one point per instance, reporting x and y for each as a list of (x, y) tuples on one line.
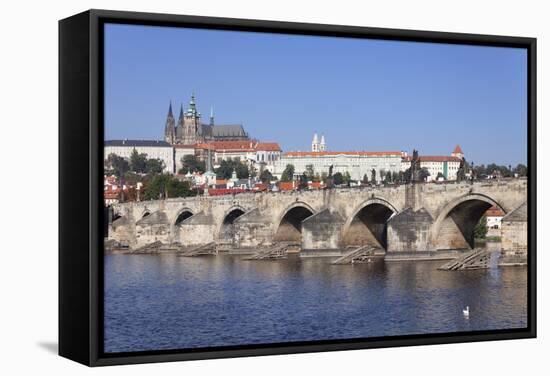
[(356, 216)]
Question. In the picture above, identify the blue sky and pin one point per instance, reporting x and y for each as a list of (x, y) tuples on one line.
[(361, 94)]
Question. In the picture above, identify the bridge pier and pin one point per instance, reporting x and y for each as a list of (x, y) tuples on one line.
[(321, 234), (408, 234), (252, 230), (154, 227), (420, 221), (198, 229), (514, 237)]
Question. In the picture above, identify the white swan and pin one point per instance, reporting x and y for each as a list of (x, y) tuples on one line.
[(466, 312)]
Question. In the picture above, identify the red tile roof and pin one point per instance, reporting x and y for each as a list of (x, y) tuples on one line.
[(244, 145), (286, 185), (260, 187), (458, 150), (438, 158), (268, 146), (316, 185)]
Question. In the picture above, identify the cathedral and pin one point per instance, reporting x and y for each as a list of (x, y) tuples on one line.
[(190, 130)]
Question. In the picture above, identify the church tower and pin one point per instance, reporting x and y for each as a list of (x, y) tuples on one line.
[(315, 143), (191, 124), (170, 127), (322, 145), (179, 127), (457, 152)]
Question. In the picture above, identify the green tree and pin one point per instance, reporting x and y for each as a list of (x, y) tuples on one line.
[(266, 176), (226, 168), (480, 231), (166, 186), (521, 170), (373, 176), (118, 166), (138, 162), (191, 163), (155, 166), (388, 178), (131, 178), (395, 176), (302, 184), (365, 179), (439, 176), (424, 173), (346, 178), (338, 178), (288, 173)]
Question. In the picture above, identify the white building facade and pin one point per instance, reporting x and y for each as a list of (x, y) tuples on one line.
[(357, 163), (246, 151), (446, 165), (154, 150)]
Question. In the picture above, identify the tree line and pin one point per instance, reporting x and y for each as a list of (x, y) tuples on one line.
[(339, 178), (156, 184), (192, 164)]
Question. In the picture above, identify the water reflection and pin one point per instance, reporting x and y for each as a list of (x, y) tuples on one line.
[(166, 302)]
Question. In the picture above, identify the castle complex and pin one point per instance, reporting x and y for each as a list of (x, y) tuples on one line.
[(190, 130)]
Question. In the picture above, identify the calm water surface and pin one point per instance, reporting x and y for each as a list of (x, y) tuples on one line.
[(155, 302)]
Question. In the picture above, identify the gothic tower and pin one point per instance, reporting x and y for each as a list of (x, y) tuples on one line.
[(179, 128), (170, 127), (211, 116), (191, 124)]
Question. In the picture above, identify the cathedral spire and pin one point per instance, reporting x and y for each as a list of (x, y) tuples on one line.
[(170, 114), (170, 127), (212, 115), (192, 110)]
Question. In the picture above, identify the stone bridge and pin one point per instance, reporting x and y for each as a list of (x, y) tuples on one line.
[(429, 219)]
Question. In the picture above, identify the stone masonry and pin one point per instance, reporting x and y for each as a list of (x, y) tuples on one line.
[(431, 218)]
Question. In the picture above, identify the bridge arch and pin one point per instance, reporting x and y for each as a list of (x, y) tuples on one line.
[(181, 216), (144, 213), (454, 226), (227, 229), (368, 223), (177, 220), (289, 223)]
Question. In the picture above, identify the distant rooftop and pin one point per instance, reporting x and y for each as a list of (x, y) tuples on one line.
[(135, 143), (349, 153)]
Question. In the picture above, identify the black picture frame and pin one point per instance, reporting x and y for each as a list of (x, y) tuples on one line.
[(81, 164)]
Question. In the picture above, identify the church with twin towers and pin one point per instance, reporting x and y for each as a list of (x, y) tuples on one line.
[(317, 145), (190, 130)]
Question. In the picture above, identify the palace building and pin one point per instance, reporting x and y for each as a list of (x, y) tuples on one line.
[(356, 163), (190, 130), (446, 166)]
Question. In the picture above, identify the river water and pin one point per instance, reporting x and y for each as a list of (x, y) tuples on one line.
[(160, 302)]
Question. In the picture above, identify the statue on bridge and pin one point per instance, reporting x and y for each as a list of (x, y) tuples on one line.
[(461, 172), (415, 167)]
